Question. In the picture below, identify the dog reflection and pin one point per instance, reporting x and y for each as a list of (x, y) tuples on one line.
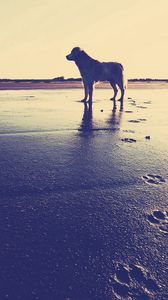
[(87, 124), (115, 119), (87, 120), (115, 105)]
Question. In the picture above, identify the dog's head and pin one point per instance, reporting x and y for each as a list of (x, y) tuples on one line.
[(74, 54)]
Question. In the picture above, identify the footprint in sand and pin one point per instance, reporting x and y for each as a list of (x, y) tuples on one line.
[(147, 102), (129, 130), (131, 101), (142, 120), (140, 106), (159, 219), (128, 140), (133, 281), (153, 179), (134, 121), (137, 120)]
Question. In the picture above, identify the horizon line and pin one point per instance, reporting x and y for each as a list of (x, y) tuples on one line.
[(61, 78)]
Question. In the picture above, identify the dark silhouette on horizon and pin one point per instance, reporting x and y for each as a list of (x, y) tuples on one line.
[(72, 79)]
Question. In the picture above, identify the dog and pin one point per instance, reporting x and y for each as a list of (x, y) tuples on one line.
[(93, 71)]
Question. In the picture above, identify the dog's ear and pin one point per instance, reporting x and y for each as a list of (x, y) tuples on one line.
[(75, 51)]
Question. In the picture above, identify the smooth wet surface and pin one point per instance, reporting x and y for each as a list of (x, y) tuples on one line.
[(83, 196)]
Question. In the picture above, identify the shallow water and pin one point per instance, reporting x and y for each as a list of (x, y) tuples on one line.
[(83, 196), (56, 110)]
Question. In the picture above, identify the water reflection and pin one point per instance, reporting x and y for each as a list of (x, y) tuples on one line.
[(115, 105), (87, 124), (90, 124), (115, 119)]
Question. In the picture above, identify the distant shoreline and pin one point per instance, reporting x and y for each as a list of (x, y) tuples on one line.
[(26, 84)]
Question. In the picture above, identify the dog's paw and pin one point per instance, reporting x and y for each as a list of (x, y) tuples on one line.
[(133, 282), (154, 179), (159, 219)]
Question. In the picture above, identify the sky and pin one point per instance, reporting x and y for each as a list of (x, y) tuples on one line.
[(36, 35)]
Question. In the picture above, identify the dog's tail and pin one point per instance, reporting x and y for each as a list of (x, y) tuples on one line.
[(125, 83), (125, 80)]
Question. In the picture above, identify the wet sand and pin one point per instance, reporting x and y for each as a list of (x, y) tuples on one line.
[(83, 195)]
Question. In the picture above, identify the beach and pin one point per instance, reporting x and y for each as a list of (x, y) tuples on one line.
[(83, 193), (47, 84)]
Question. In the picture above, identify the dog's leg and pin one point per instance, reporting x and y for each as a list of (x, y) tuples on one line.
[(121, 106), (86, 92), (121, 86), (90, 85), (114, 105), (115, 90)]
